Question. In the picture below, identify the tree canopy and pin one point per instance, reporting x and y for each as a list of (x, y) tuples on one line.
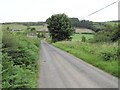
[(75, 22), (60, 27), (111, 33)]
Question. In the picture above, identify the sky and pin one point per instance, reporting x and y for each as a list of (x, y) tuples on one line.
[(40, 10)]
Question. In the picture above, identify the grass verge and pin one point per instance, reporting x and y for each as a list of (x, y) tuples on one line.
[(103, 56)]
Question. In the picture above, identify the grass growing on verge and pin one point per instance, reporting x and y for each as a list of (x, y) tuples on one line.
[(19, 61), (103, 56)]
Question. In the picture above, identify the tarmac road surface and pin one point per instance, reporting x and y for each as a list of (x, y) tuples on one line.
[(59, 69)]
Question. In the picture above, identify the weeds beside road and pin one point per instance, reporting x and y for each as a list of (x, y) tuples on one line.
[(20, 55)]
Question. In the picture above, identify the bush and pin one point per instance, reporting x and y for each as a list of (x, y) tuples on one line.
[(109, 34), (83, 39), (20, 57), (109, 55)]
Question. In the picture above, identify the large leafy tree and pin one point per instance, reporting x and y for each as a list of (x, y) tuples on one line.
[(60, 27)]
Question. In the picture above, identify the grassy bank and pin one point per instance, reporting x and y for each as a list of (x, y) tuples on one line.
[(20, 55), (103, 56)]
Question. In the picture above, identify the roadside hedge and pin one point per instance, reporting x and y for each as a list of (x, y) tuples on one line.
[(20, 55)]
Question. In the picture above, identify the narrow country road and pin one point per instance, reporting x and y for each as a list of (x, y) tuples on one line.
[(59, 69)]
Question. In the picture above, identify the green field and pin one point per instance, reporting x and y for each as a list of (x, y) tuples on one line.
[(77, 37), (14, 26), (101, 55), (20, 26), (37, 27)]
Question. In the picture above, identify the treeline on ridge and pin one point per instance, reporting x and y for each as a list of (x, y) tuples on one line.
[(26, 23), (95, 26)]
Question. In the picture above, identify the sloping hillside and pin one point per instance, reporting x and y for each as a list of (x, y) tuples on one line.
[(83, 30)]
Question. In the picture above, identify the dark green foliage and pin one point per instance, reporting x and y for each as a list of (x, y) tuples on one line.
[(60, 27), (14, 76), (33, 29), (102, 37), (86, 24), (98, 26), (83, 39), (7, 28), (83, 24), (75, 22), (116, 33), (109, 34), (109, 56), (19, 61), (95, 26)]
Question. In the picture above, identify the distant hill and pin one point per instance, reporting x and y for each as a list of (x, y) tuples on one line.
[(95, 26), (115, 21), (26, 23), (84, 30), (76, 23)]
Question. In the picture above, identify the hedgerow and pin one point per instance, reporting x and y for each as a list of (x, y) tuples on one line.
[(20, 55)]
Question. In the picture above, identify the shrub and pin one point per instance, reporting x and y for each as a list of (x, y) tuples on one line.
[(83, 39), (19, 61)]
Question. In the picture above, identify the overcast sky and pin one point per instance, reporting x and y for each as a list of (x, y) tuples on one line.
[(40, 10)]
